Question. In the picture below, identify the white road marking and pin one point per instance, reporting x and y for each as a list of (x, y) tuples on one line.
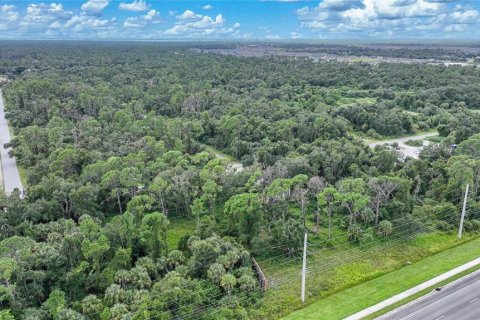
[(440, 300), (441, 317), (473, 300)]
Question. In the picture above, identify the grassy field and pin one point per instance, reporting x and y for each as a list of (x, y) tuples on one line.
[(177, 229), (23, 175), (383, 285), (334, 272)]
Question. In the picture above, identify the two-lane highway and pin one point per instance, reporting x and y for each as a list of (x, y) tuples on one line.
[(10, 174), (459, 300)]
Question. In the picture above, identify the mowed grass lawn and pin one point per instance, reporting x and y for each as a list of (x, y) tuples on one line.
[(354, 299)]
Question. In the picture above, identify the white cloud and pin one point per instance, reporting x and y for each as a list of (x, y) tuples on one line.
[(341, 5), (189, 15), (387, 9), (207, 7), (133, 22), (191, 24), (152, 16), (51, 20), (401, 3), (41, 14), (55, 25), (95, 7), (469, 16), (316, 25), (295, 35), (455, 28), (8, 15), (387, 17), (236, 25), (135, 6), (83, 22)]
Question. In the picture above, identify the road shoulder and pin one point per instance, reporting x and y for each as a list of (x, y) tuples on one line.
[(349, 301), (408, 293)]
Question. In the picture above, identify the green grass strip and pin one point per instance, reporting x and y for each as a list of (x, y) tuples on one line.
[(352, 300)]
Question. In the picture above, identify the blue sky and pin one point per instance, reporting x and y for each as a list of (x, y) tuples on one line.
[(230, 19)]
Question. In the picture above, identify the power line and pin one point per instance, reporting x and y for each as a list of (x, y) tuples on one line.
[(184, 286), (323, 267)]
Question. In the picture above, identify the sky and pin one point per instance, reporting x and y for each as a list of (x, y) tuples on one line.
[(240, 19)]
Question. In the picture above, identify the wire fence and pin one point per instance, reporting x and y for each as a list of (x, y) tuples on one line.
[(292, 277)]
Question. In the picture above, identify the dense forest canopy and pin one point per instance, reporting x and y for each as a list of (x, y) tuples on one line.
[(120, 140)]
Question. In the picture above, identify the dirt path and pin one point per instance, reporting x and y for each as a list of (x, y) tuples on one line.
[(404, 139), (233, 165), (406, 150)]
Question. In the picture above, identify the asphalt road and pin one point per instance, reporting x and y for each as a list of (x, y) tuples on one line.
[(11, 177), (459, 300)]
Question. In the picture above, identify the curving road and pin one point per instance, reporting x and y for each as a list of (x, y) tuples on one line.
[(232, 166), (10, 174), (404, 149)]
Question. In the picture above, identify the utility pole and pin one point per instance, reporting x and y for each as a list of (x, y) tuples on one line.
[(304, 266), (460, 228)]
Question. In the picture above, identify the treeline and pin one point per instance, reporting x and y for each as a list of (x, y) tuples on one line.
[(407, 51)]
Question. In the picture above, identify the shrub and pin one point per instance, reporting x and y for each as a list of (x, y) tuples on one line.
[(475, 225), (354, 233), (385, 228), (443, 226)]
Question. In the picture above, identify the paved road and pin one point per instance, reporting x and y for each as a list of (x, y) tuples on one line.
[(406, 150), (11, 177), (459, 300), (408, 293)]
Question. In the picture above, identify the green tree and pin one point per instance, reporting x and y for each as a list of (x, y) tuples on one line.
[(210, 192), (228, 282), (8, 266), (111, 181), (244, 212), (329, 197), (56, 302), (153, 233), (353, 197)]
